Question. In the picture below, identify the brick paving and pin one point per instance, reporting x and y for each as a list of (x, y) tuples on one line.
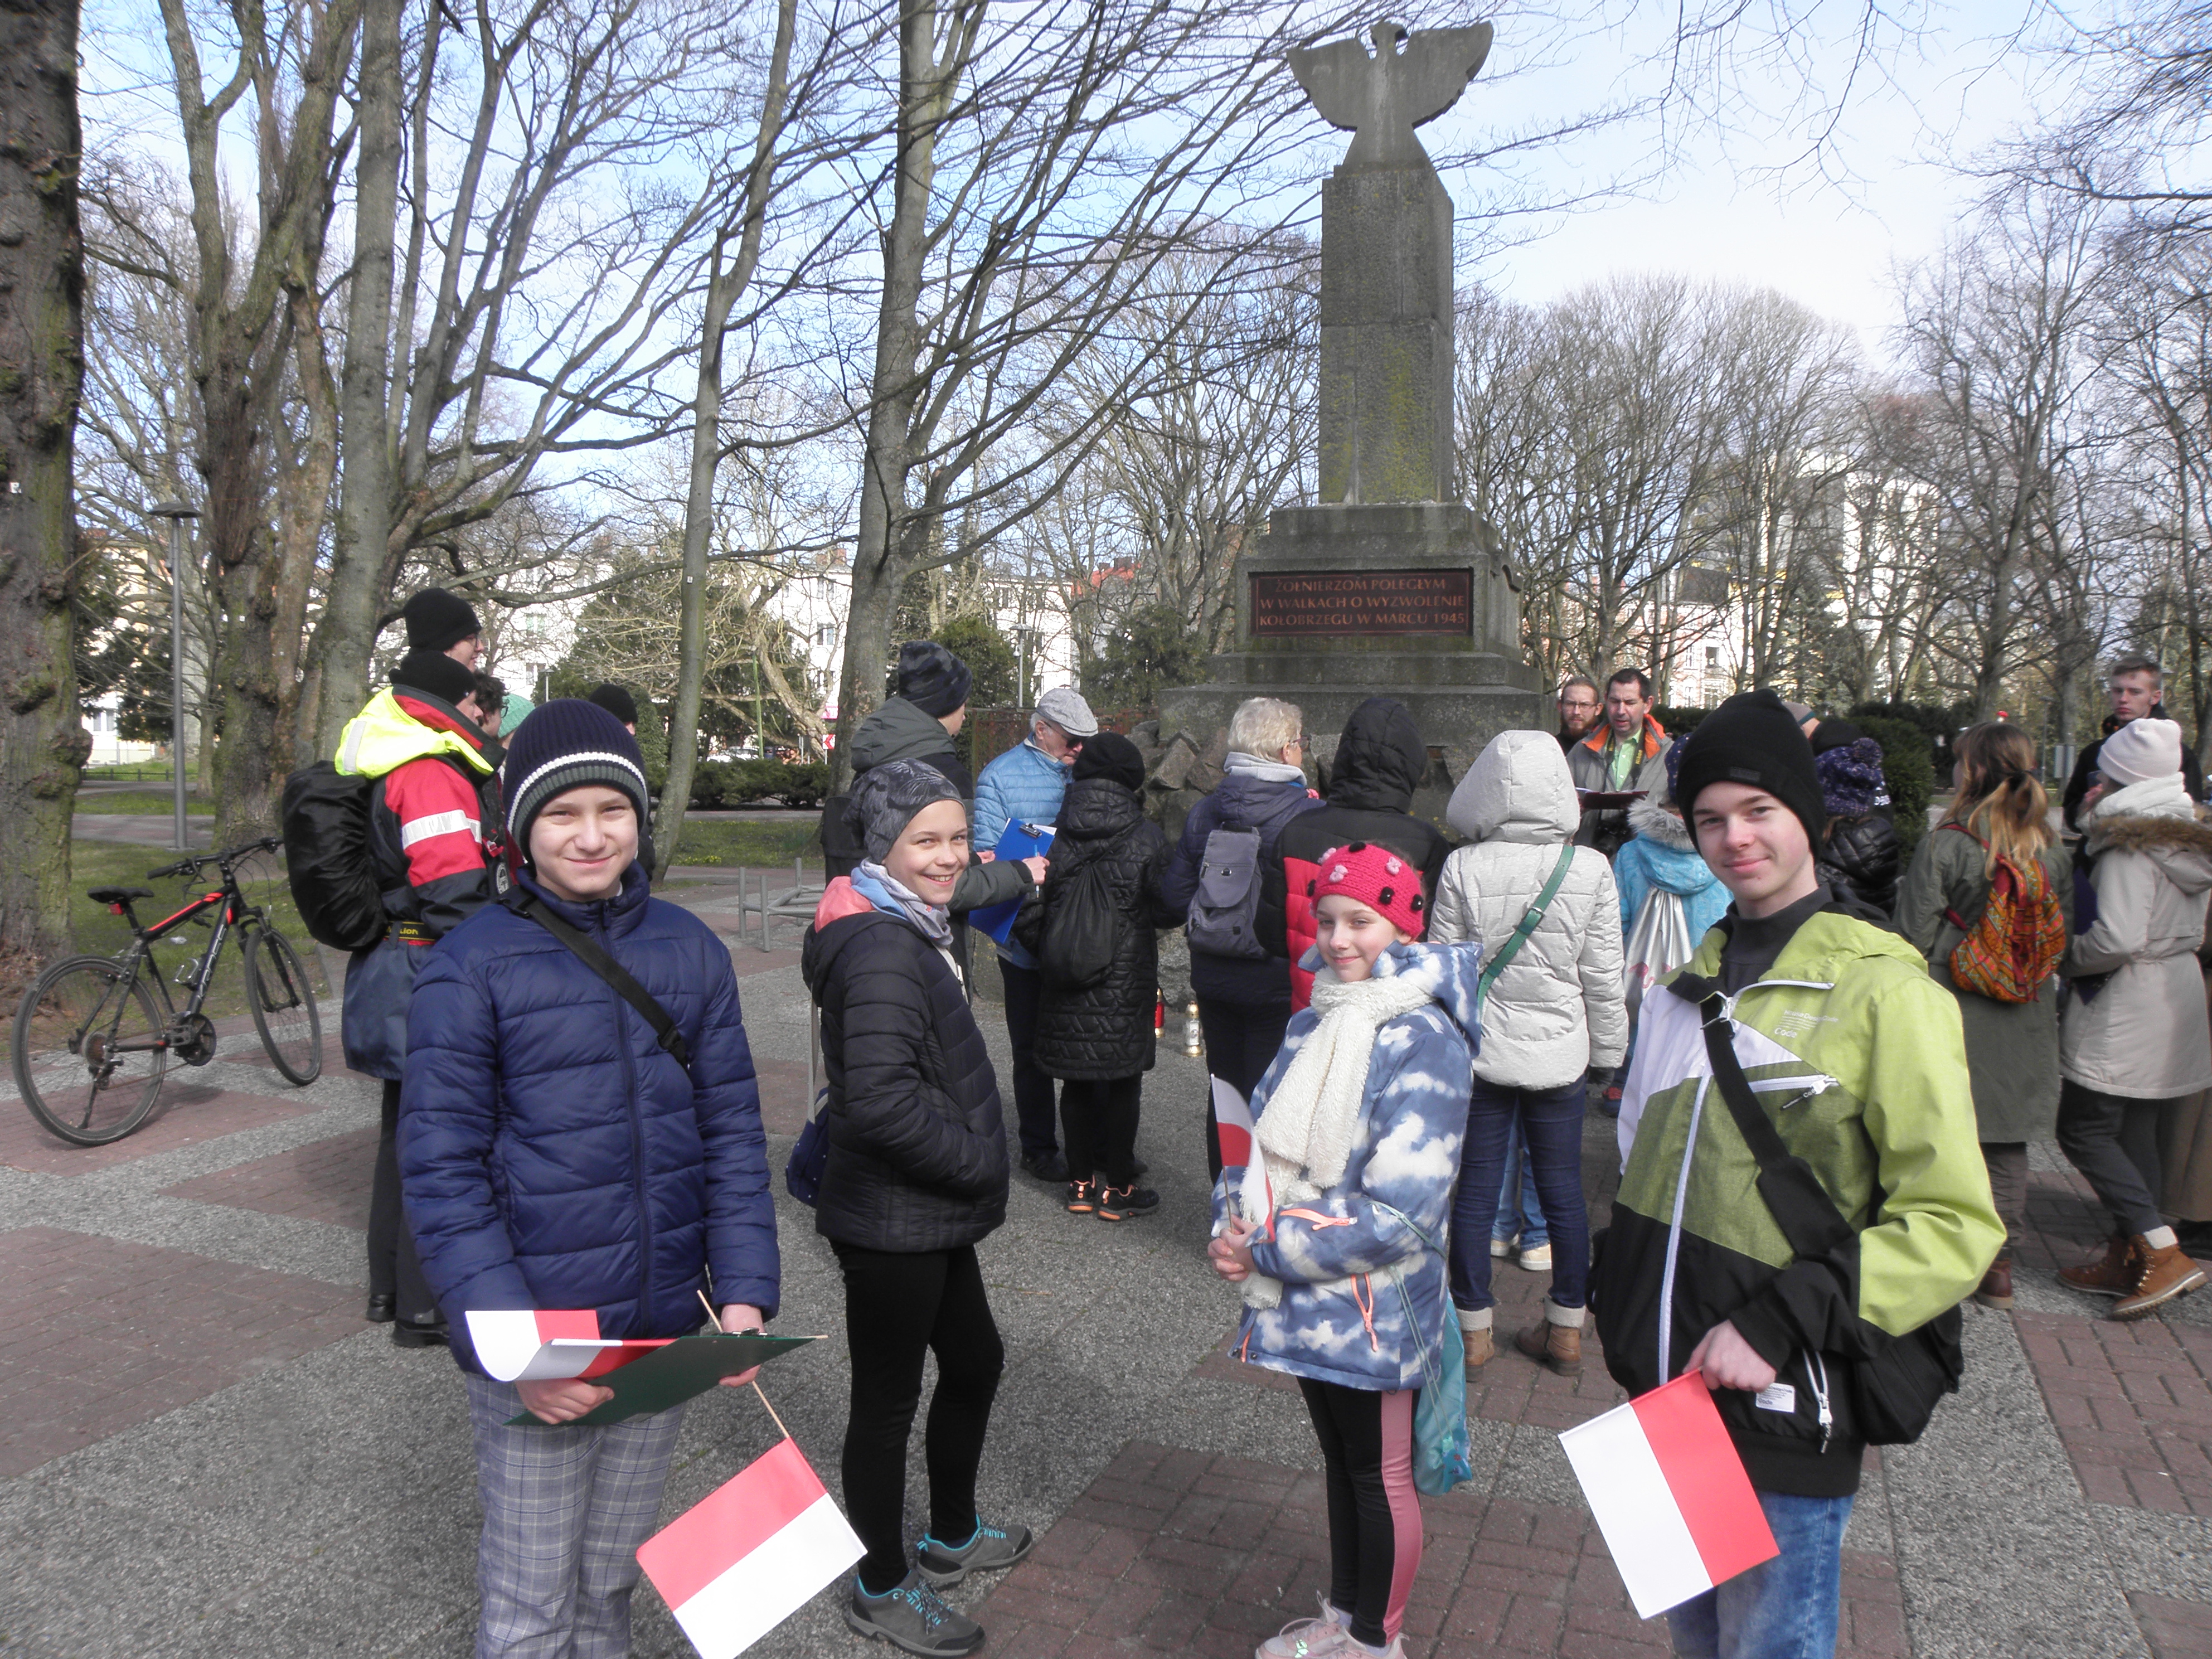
[(97, 1335), (2174, 1629), (189, 1112), (326, 1180), (1186, 1551)]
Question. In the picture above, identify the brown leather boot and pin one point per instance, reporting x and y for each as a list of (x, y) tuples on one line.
[(1996, 1284), (1559, 1346), (2163, 1273), (1480, 1345), (2112, 1274)]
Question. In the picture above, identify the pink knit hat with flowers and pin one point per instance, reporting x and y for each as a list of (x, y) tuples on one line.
[(1386, 883)]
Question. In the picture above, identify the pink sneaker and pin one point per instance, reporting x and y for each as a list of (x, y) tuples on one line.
[(1309, 1638)]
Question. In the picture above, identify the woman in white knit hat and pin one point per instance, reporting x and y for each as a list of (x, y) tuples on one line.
[(2133, 1033)]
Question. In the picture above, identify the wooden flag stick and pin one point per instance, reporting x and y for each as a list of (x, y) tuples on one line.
[(784, 1432), (711, 1314)]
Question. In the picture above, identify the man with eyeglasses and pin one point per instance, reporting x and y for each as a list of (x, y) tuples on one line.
[(1578, 709)]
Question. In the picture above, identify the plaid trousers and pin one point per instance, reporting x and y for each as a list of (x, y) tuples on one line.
[(564, 1511)]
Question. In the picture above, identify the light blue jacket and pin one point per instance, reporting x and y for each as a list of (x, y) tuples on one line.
[(1363, 1294), (1022, 786), (1662, 856)]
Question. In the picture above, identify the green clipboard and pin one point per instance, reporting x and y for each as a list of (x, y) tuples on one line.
[(672, 1374)]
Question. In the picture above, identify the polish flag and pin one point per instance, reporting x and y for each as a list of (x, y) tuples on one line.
[(1670, 1495), (541, 1345), (748, 1555), (1240, 1145)]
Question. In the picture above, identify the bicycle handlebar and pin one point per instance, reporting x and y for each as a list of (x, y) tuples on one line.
[(192, 866)]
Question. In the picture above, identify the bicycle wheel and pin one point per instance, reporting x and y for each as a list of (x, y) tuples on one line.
[(90, 1053), (284, 1004)]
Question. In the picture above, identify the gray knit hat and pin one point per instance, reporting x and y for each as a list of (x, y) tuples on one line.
[(886, 798)]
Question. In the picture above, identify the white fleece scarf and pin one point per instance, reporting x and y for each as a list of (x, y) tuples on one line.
[(1312, 1120)]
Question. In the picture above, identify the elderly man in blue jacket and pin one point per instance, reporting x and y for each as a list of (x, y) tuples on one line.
[(1024, 785), (554, 1155)]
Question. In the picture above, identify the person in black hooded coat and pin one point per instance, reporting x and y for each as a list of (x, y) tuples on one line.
[(1095, 1015), (1380, 761)]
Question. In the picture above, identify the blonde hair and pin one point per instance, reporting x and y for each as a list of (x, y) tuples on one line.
[(1265, 726), (2000, 800)]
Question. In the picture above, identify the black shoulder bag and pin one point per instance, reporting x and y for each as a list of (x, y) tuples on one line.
[(1895, 1388), (589, 951)]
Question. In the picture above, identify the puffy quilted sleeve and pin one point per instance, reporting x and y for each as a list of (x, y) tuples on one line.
[(448, 1110), (1599, 967), (741, 1247)]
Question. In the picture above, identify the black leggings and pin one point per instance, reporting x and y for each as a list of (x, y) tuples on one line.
[(1373, 1513), (1098, 1121), (896, 1307)]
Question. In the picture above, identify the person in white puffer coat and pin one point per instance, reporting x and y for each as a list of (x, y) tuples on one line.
[(1553, 1017)]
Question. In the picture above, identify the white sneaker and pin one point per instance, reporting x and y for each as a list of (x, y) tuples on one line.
[(1502, 1247), (1538, 1260), (1309, 1638)]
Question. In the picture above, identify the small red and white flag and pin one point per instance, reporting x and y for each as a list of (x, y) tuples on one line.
[(1240, 1145), (749, 1554), (1670, 1495), (537, 1346)]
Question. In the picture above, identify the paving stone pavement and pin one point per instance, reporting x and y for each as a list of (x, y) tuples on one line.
[(206, 1452)]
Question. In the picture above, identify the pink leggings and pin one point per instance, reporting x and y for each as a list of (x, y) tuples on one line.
[(1374, 1515)]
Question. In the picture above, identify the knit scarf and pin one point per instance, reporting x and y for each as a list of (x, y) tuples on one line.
[(1312, 1120), (886, 892)]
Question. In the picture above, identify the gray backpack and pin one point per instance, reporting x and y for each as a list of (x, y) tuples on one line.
[(1225, 910)]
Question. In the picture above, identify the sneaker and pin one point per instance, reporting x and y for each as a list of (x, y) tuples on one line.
[(2112, 1274), (1308, 1638), (2162, 1273), (1502, 1248), (1082, 1197), (1050, 1167), (991, 1549), (1535, 1261), (1995, 1291), (1559, 1347), (913, 1618), (1125, 1203)]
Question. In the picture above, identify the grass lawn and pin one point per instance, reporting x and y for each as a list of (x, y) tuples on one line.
[(98, 932), (141, 800), (732, 844)]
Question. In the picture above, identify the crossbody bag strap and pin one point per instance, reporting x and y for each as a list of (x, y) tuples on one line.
[(1808, 1218), (589, 951), (1529, 924)]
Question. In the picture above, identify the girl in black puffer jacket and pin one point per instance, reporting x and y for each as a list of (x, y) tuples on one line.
[(1092, 927), (1862, 855)]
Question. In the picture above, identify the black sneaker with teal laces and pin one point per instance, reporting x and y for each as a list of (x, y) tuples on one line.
[(913, 1618), (991, 1549)]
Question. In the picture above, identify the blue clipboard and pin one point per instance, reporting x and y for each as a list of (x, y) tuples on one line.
[(1021, 840)]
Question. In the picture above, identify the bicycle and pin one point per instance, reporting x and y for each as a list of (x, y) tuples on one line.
[(89, 1024)]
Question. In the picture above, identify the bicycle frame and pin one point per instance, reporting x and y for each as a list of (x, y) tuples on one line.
[(232, 912)]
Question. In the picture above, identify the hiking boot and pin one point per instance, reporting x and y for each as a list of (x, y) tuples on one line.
[(1050, 1167), (2163, 1273), (1308, 1638), (1082, 1197), (1127, 1203), (1535, 1259), (913, 1618), (2112, 1274), (1478, 1342), (1559, 1347), (991, 1550), (1996, 1284)]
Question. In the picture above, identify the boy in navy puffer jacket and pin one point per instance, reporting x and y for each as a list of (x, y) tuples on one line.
[(554, 1156)]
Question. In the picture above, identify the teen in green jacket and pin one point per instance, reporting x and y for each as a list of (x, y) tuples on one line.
[(1858, 1058)]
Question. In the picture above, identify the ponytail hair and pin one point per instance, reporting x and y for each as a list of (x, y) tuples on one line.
[(2000, 800)]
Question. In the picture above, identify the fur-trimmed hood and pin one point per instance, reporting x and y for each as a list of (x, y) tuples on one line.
[(1647, 818), (2181, 847)]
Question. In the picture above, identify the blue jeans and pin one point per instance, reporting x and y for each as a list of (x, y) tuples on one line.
[(1552, 1121), (1785, 1608), (1520, 1214)]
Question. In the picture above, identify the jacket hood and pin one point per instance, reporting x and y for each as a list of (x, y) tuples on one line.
[(1097, 809), (1518, 789), (1246, 802), (1380, 759), (1671, 859), (1448, 973), (897, 731), (1656, 824), (2181, 847), (387, 734)]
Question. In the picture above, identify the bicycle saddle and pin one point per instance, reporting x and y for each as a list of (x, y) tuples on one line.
[(118, 895)]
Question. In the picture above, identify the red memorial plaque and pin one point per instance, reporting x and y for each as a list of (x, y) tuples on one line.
[(1287, 603)]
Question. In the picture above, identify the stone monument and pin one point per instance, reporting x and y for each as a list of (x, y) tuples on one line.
[(1390, 586)]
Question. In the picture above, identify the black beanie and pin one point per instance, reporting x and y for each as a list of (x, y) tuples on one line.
[(1750, 738), (435, 672), (1110, 755), (436, 620), (932, 679), (560, 746), (616, 701)]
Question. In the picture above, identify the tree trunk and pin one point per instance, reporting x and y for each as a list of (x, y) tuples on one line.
[(347, 633), (42, 340)]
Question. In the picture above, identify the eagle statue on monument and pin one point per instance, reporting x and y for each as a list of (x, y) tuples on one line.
[(1381, 98)]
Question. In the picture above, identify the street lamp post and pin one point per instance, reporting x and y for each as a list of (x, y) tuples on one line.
[(176, 512)]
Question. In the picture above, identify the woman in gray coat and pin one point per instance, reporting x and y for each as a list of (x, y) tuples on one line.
[(2012, 1047)]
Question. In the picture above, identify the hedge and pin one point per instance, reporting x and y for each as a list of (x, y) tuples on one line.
[(721, 784)]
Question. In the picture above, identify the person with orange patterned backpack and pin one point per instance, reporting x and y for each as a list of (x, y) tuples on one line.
[(1989, 901)]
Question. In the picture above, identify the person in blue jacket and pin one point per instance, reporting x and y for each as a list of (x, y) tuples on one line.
[(553, 1155), (1026, 785)]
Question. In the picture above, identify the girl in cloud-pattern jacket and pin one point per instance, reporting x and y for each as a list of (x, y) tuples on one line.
[(1359, 1121)]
